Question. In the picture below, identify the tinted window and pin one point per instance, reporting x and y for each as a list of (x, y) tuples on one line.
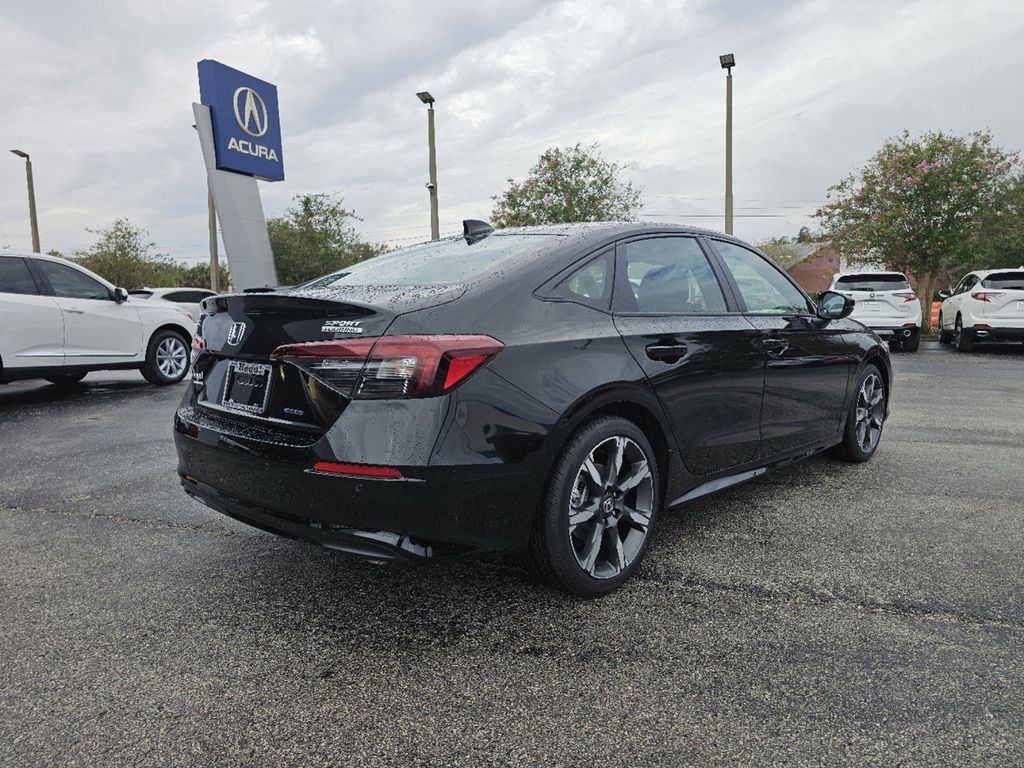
[(872, 283), (591, 283), (765, 290), (444, 262), (670, 275), (140, 294), (181, 297), (72, 284), (1008, 280), (15, 276), (966, 284)]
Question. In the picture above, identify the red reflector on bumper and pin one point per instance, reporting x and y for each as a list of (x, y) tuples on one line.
[(358, 470)]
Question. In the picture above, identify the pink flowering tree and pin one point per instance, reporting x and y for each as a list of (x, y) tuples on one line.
[(567, 185), (919, 206)]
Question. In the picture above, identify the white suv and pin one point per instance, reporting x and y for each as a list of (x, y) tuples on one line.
[(58, 321), (885, 303), (987, 305)]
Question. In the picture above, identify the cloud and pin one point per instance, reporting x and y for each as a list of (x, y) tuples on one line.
[(100, 94)]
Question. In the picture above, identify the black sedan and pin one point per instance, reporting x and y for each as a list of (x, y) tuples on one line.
[(545, 390)]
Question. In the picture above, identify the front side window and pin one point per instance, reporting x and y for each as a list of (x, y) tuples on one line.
[(590, 284), (15, 277), (69, 283), (669, 275), (765, 290)]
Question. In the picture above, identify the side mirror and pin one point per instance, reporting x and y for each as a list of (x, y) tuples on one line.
[(945, 294), (120, 295), (834, 306)]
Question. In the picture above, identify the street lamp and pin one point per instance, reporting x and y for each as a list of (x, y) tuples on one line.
[(728, 61), (31, 199), (435, 227)]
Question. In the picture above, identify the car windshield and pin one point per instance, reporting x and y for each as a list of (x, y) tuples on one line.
[(1006, 280), (444, 262), (872, 282), (141, 294)]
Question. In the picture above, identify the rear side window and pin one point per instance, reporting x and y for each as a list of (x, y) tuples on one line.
[(669, 275), (1007, 280), (69, 283), (15, 277), (869, 282), (765, 290), (590, 284)]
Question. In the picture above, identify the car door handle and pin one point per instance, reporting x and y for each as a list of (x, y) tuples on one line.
[(774, 345), (667, 353), (75, 311)]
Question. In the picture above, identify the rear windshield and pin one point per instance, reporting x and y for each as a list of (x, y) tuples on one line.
[(443, 262), (872, 283), (1008, 280)]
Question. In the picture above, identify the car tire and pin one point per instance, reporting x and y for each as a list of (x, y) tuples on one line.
[(962, 339), (167, 358), (66, 379), (594, 525), (866, 418), (944, 336), (912, 342)]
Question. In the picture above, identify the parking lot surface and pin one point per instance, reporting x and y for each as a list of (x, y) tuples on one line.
[(824, 614)]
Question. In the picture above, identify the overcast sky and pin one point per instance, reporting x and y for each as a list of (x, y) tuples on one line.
[(100, 94)]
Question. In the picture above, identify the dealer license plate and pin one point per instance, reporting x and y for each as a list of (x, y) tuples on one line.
[(247, 387), (869, 306)]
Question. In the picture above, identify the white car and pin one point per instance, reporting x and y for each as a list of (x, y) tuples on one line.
[(186, 298), (885, 303), (58, 321), (987, 305)]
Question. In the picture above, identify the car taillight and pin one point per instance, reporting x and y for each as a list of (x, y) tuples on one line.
[(986, 296), (392, 366), (906, 296)]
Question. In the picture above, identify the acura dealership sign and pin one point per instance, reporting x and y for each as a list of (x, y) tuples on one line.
[(246, 125)]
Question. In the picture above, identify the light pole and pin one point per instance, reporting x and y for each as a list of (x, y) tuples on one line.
[(31, 199), (435, 227), (728, 61)]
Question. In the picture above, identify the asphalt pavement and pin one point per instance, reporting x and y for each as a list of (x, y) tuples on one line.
[(826, 614)]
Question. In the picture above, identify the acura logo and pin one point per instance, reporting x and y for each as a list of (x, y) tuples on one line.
[(250, 111), (235, 333)]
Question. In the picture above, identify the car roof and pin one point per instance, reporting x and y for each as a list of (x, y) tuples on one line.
[(983, 273), (161, 291)]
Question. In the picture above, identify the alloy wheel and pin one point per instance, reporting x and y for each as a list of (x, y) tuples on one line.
[(171, 357), (870, 412), (610, 507)]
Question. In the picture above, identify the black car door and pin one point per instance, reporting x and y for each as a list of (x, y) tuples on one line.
[(808, 359), (699, 353)]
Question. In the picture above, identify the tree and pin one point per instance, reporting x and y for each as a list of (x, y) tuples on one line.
[(198, 276), (314, 237), (125, 257), (567, 185), (918, 205), (999, 240), (781, 250)]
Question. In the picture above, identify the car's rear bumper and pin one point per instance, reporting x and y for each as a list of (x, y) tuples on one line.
[(432, 512), (894, 330), (998, 333)]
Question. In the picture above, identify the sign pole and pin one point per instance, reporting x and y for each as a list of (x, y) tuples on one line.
[(214, 258)]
